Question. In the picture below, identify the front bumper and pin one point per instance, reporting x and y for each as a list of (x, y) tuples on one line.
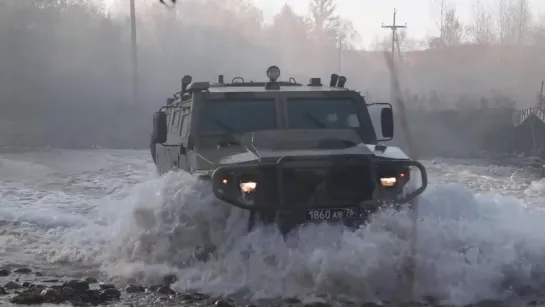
[(380, 197)]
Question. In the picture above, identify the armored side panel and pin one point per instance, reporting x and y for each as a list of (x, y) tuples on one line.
[(172, 154), (167, 158)]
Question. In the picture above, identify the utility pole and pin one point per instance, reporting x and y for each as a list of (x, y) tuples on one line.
[(339, 67), (134, 54), (393, 27), (442, 34), (410, 267), (541, 101)]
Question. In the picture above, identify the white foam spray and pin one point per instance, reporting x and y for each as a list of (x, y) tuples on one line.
[(471, 246)]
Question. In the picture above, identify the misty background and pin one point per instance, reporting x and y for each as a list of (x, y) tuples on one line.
[(65, 74)]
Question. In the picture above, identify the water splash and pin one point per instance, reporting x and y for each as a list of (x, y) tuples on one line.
[(471, 246)]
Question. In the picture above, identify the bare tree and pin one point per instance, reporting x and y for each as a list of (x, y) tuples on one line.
[(350, 36), (521, 12), (323, 15), (286, 33), (442, 4), (513, 21), (328, 27), (481, 30), (504, 21), (450, 28), (289, 27), (435, 43), (406, 42), (452, 33), (538, 33)]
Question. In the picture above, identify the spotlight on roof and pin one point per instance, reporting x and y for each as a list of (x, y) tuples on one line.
[(273, 73)]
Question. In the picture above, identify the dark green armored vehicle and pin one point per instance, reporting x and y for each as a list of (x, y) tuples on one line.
[(289, 153)]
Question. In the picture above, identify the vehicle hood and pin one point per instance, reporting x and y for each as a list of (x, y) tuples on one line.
[(273, 144), (266, 155)]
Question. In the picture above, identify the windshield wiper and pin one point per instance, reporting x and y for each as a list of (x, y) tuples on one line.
[(236, 141), (335, 143), (230, 134), (316, 120)]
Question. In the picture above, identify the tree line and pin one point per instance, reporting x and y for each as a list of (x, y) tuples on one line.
[(493, 59), (503, 22), (65, 77)]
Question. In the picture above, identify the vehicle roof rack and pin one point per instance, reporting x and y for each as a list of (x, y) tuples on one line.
[(254, 84)]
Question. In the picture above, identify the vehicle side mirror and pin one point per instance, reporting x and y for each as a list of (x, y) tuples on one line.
[(159, 134), (170, 101), (387, 123)]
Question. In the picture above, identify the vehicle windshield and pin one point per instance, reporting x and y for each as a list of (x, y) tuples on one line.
[(238, 116), (302, 139), (323, 113)]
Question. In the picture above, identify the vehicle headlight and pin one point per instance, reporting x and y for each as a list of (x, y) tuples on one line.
[(388, 182), (248, 187)]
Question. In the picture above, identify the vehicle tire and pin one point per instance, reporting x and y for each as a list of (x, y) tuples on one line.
[(286, 223), (260, 218)]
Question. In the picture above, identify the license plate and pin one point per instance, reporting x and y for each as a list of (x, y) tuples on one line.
[(331, 214)]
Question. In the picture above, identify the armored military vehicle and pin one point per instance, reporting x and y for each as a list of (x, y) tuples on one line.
[(289, 153)]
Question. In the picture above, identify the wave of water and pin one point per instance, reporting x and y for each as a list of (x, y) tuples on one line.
[(471, 246)]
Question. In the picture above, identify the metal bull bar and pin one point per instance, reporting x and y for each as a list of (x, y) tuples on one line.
[(296, 162)]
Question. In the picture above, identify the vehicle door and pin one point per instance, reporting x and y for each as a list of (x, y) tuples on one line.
[(184, 135), (171, 147)]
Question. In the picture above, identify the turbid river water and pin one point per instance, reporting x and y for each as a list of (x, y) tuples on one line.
[(105, 213)]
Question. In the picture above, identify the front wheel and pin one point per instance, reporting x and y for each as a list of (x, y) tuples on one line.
[(260, 218)]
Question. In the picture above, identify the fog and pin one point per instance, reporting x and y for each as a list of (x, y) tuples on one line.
[(65, 77)]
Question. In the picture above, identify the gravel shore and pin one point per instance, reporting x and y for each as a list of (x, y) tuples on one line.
[(24, 286)]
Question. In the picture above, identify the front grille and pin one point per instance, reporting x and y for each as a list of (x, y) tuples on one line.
[(326, 187), (350, 184), (318, 187)]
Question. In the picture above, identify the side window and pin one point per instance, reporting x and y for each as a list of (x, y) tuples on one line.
[(332, 118), (185, 126), (175, 121), (353, 120)]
